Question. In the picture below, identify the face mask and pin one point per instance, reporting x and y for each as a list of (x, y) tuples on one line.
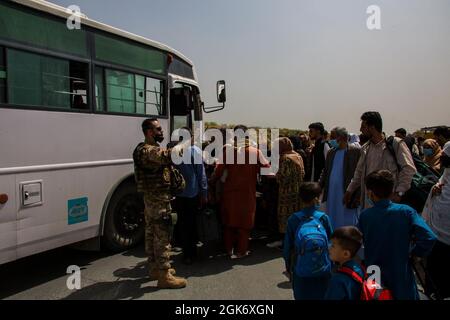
[(334, 143), (159, 138), (427, 152)]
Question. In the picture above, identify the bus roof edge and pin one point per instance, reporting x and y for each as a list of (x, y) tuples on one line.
[(60, 11)]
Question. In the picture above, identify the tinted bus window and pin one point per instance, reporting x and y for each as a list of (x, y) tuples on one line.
[(99, 90), (39, 31), (2, 76), (120, 91), (129, 93), (38, 80), (181, 68), (154, 97), (124, 53)]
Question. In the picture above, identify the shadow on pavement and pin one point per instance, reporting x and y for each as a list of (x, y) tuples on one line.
[(133, 282), (29, 272), (211, 260), (113, 290)]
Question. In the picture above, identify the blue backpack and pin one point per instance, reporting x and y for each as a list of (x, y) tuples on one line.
[(311, 246)]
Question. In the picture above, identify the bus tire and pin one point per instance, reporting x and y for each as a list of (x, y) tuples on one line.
[(124, 220)]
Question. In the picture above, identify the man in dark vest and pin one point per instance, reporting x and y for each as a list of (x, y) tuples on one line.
[(319, 152)]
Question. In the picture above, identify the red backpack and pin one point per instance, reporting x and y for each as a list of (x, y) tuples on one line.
[(371, 290)]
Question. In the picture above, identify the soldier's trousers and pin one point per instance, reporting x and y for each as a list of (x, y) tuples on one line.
[(157, 232)]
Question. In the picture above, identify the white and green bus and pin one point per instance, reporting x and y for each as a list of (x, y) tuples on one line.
[(71, 106)]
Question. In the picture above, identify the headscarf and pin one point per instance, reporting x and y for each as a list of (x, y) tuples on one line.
[(436, 209), (286, 150), (434, 160), (446, 149), (354, 140)]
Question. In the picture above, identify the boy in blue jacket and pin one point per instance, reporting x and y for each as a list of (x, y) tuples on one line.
[(305, 247), (392, 235), (345, 243)]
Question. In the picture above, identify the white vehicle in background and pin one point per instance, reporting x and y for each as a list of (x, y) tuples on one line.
[(71, 107)]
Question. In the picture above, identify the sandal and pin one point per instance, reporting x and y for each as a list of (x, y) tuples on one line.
[(240, 256)]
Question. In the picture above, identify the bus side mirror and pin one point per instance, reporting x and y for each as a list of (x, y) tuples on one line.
[(221, 92), (221, 98)]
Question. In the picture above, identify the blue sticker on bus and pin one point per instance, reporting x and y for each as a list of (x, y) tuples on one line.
[(77, 210)]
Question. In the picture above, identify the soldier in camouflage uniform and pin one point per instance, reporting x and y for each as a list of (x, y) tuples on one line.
[(153, 180)]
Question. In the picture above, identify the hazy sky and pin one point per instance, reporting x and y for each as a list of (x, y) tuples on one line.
[(288, 63)]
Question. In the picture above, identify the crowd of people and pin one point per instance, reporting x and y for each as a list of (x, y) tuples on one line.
[(340, 205)]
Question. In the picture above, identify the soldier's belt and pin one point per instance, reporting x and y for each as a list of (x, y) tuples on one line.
[(164, 198), (170, 219)]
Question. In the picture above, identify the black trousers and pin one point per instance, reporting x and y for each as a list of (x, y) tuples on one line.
[(438, 268), (186, 227)]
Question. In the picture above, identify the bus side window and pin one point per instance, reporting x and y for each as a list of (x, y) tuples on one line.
[(78, 102), (99, 89), (2, 76), (45, 81), (79, 85)]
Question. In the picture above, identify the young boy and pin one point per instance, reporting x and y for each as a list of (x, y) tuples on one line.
[(306, 247), (345, 243), (392, 233)]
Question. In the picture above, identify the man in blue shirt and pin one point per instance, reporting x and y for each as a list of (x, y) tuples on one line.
[(187, 203), (392, 235)]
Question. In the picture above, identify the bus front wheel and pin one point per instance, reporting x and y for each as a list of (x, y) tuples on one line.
[(124, 221)]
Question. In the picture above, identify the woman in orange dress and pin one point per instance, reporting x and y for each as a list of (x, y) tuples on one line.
[(238, 201)]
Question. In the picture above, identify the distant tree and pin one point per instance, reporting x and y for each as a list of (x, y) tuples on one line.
[(282, 131), (211, 124)]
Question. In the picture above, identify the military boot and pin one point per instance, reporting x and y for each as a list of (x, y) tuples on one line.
[(154, 273), (167, 281)]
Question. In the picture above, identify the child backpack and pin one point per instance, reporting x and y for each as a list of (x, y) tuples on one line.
[(311, 246), (371, 290)]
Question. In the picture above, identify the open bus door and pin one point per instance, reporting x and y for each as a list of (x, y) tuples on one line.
[(181, 107), (186, 107)]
